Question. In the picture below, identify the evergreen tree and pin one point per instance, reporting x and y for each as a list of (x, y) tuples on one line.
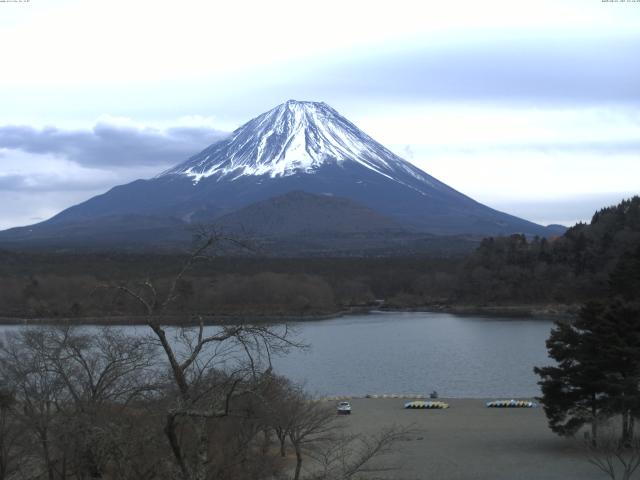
[(622, 351), (573, 391), (598, 369), (619, 355), (624, 281)]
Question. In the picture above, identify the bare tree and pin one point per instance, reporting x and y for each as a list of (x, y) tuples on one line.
[(352, 456), (100, 404), (40, 394), (280, 399), (312, 428), (10, 436), (103, 367), (616, 458), (70, 389), (311, 422), (102, 374), (246, 350)]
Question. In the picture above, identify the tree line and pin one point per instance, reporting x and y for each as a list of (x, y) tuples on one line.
[(508, 270), (571, 268)]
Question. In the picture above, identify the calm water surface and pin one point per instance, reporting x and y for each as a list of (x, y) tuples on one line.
[(405, 353), (459, 356)]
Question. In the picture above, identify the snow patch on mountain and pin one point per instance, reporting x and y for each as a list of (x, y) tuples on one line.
[(296, 137)]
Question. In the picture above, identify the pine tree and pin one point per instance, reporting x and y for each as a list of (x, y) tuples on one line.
[(573, 391), (598, 358), (619, 355), (624, 280)]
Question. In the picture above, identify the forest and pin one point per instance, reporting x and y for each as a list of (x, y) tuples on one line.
[(503, 271)]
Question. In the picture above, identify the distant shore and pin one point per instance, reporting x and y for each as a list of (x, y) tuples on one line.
[(172, 320), (546, 311), (552, 311)]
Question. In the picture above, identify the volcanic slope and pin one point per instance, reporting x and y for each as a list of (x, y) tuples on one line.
[(295, 147)]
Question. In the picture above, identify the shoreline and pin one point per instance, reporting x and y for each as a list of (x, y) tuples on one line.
[(469, 441), (546, 311), (172, 320), (542, 311), (425, 397)]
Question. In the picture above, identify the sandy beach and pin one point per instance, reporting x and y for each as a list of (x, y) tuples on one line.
[(469, 441)]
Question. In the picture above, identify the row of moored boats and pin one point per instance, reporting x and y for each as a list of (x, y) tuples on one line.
[(419, 404)]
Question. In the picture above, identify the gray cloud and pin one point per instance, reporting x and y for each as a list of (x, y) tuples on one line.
[(574, 70), (36, 182), (612, 147), (108, 145), (104, 156), (13, 182), (608, 147)]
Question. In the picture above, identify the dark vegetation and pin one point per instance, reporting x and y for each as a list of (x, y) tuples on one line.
[(59, 286), (572, 268), (502, 271), (597, 375), (595, 381), (76, 405), (188, 403)]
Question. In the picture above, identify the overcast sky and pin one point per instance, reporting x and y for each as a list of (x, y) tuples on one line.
[(531, 107)]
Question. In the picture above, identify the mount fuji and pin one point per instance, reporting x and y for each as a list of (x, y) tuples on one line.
[(300, 160)]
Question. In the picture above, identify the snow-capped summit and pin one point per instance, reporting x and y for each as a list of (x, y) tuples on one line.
[(295, 137), (346, 184)]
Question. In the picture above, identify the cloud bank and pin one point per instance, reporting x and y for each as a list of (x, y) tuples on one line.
[(110, 145), (44, 170)]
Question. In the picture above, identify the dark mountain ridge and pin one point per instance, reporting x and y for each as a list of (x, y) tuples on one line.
[(301, 213)]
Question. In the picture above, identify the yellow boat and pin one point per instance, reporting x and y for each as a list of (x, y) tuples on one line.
[(427, 405), (511, 404)]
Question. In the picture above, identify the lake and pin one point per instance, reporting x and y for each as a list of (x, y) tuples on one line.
[(403, 353), (415, 353)]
